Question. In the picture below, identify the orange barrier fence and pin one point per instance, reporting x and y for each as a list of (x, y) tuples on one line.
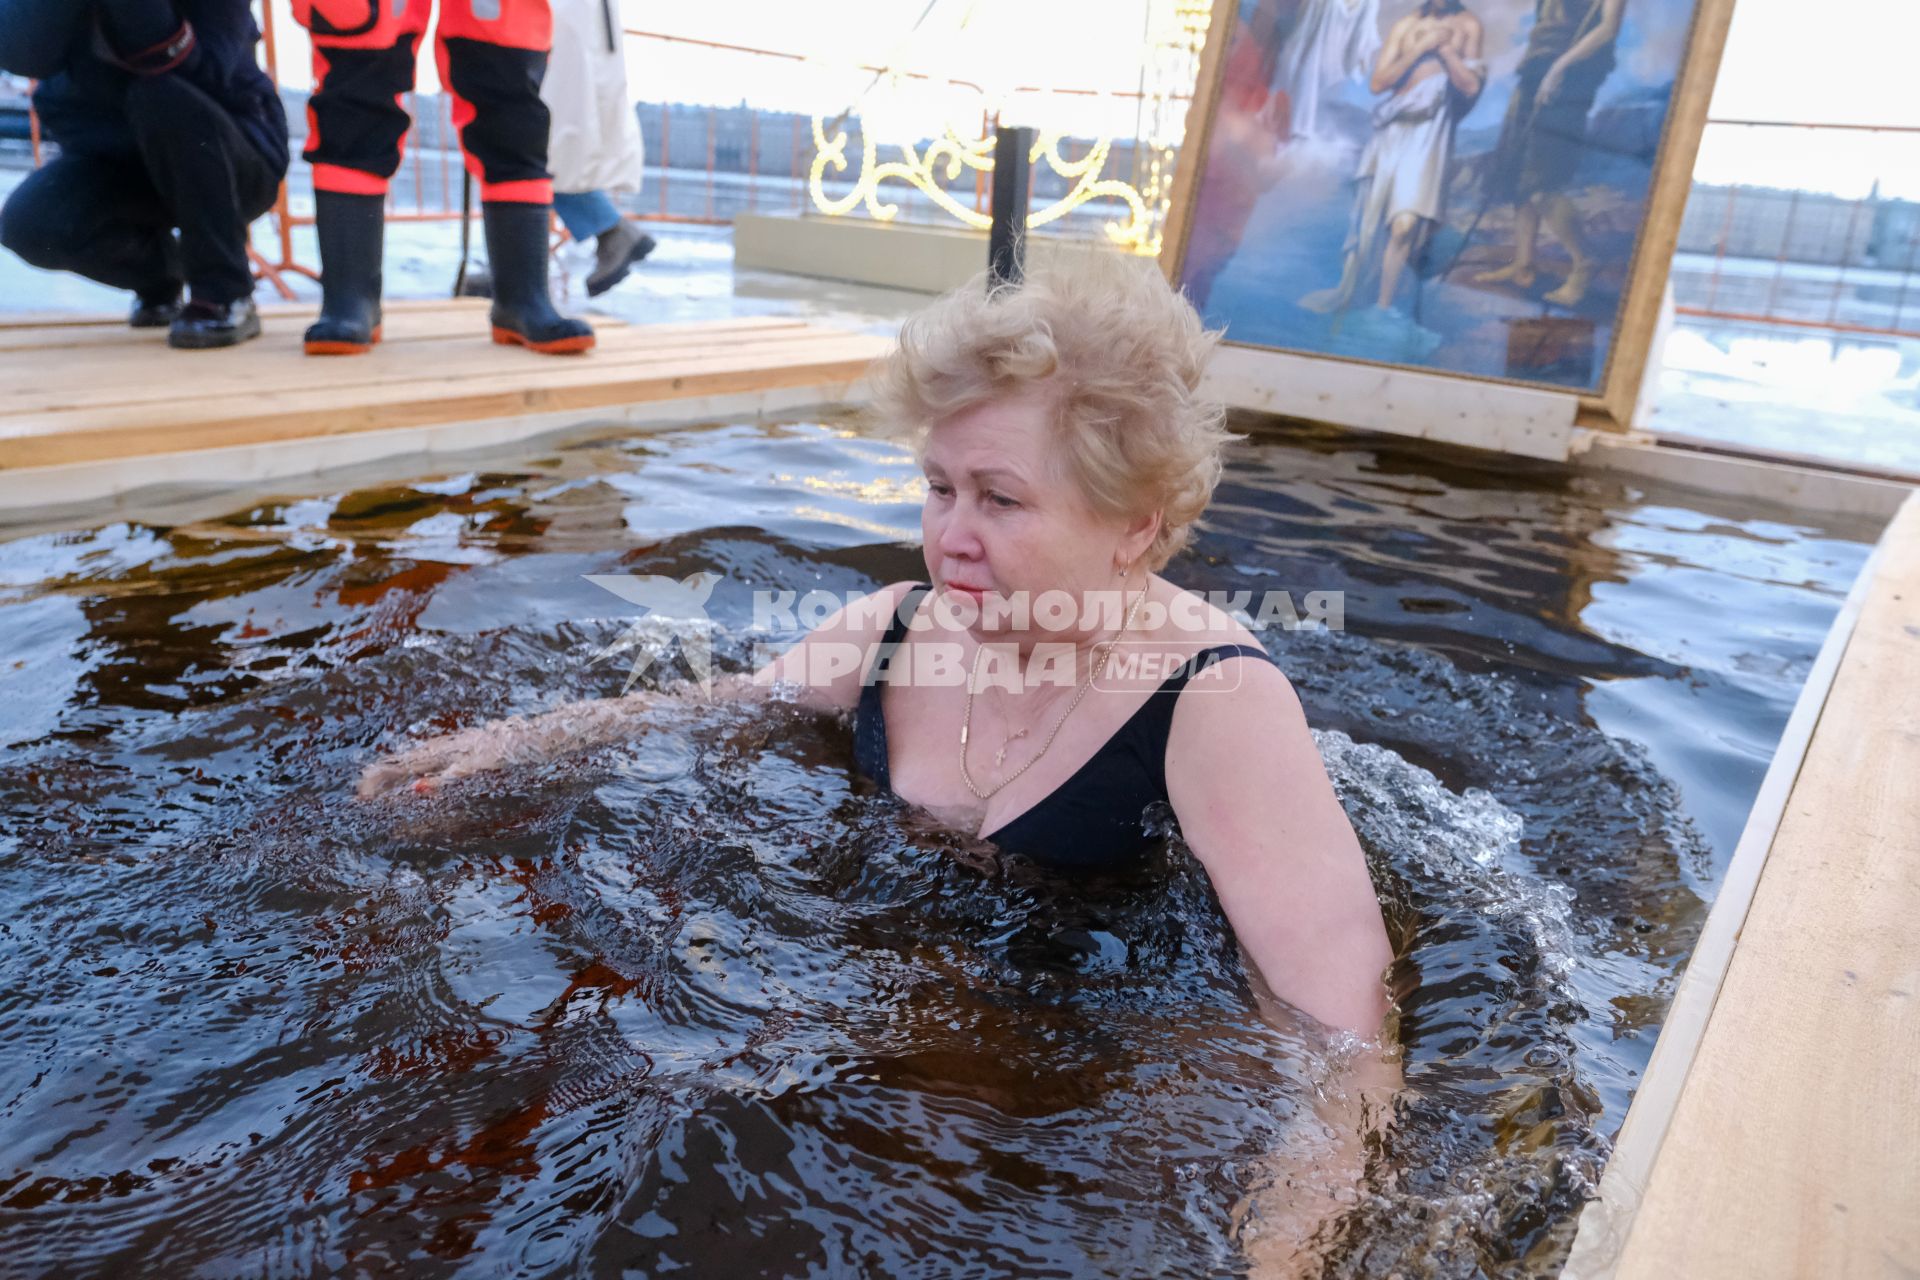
[(1794, 254)]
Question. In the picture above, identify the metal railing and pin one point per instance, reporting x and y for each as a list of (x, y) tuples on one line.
[(1791, 254)]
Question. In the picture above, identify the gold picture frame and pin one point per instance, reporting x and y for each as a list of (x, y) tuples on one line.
[(1608, 397)]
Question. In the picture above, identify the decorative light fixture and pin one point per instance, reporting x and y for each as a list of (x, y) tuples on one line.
[(1178, 30)]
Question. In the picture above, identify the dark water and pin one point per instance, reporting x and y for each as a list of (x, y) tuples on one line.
[(700, 1004)]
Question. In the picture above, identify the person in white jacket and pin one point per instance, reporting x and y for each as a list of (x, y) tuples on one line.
[(594, 147)]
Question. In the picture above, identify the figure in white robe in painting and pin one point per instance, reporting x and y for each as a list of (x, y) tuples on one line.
[(1431, 73), (1332, 42)]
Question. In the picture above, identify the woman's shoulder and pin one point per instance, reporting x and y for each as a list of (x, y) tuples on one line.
[(1194, 622), (829, 660), (1264, 708), (868, 617), (887, 602)]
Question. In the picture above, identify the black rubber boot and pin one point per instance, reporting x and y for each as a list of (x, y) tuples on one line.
[(352, 236), (523, 313)]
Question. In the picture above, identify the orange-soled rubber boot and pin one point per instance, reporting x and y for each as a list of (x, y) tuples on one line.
[(352, 232), (570, 343), (523, 314), (323, 339)]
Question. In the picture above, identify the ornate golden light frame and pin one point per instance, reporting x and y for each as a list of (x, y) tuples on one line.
[(955, 155), (1170, 69)]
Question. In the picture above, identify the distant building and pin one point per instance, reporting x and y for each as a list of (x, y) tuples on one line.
[(1803, 227)]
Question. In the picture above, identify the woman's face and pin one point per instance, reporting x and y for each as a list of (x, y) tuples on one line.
[(1004, 516)]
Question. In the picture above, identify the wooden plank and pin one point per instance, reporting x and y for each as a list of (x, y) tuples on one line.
[(1801, 483), (1463, 411), (1794, 1145), (80, 320), (554, 385), (397, 326), (61, 319), (405, 380), (102, 378), (211, 481), (427, 361)]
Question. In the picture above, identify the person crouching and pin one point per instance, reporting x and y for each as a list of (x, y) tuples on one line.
[(164, 121)]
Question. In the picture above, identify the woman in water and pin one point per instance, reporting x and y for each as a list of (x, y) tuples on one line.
[(1046, 689)]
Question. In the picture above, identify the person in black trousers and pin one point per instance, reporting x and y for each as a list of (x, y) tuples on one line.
[(164, 121)]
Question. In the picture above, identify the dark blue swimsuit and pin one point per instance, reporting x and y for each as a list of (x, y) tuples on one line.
[(1097, 820)]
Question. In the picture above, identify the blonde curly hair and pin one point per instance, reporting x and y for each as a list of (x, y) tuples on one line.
[(1114, 353)]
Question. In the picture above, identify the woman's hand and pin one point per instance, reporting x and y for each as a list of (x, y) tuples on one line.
[(425, 765), (1319, 1171), (578, 726)]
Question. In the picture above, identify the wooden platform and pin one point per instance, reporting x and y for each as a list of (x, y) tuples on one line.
[(77, 390), (1778, 1132)]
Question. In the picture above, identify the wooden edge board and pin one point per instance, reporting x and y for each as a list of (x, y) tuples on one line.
[(400, 326), (1608, 1218), (1783, 480), (1799, 1120), (316, 415), (110, 379), (1812, 461), (1402, 402), (82, 320), (285, 335), (205, 483), (95, 319), (518, 370), (59, 319)]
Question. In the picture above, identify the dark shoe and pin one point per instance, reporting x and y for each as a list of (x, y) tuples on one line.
[(523, 313), (615, 252), (154, 310), (352, 233), (203, 325)]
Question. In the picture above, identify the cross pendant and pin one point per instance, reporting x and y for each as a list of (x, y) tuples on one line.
[(1000, 756)]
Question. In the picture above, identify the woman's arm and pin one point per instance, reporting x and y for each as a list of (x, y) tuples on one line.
[(1318, 1172), (822, 672), (1254, 803), (826, 668), (497, 744)]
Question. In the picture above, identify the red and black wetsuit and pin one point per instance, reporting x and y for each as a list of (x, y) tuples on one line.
[(491, 55)]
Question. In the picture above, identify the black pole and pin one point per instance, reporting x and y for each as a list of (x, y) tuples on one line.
[(1007, 241), (466, 232)]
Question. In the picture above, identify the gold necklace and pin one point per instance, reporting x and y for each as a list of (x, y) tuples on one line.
[(966, 723)]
